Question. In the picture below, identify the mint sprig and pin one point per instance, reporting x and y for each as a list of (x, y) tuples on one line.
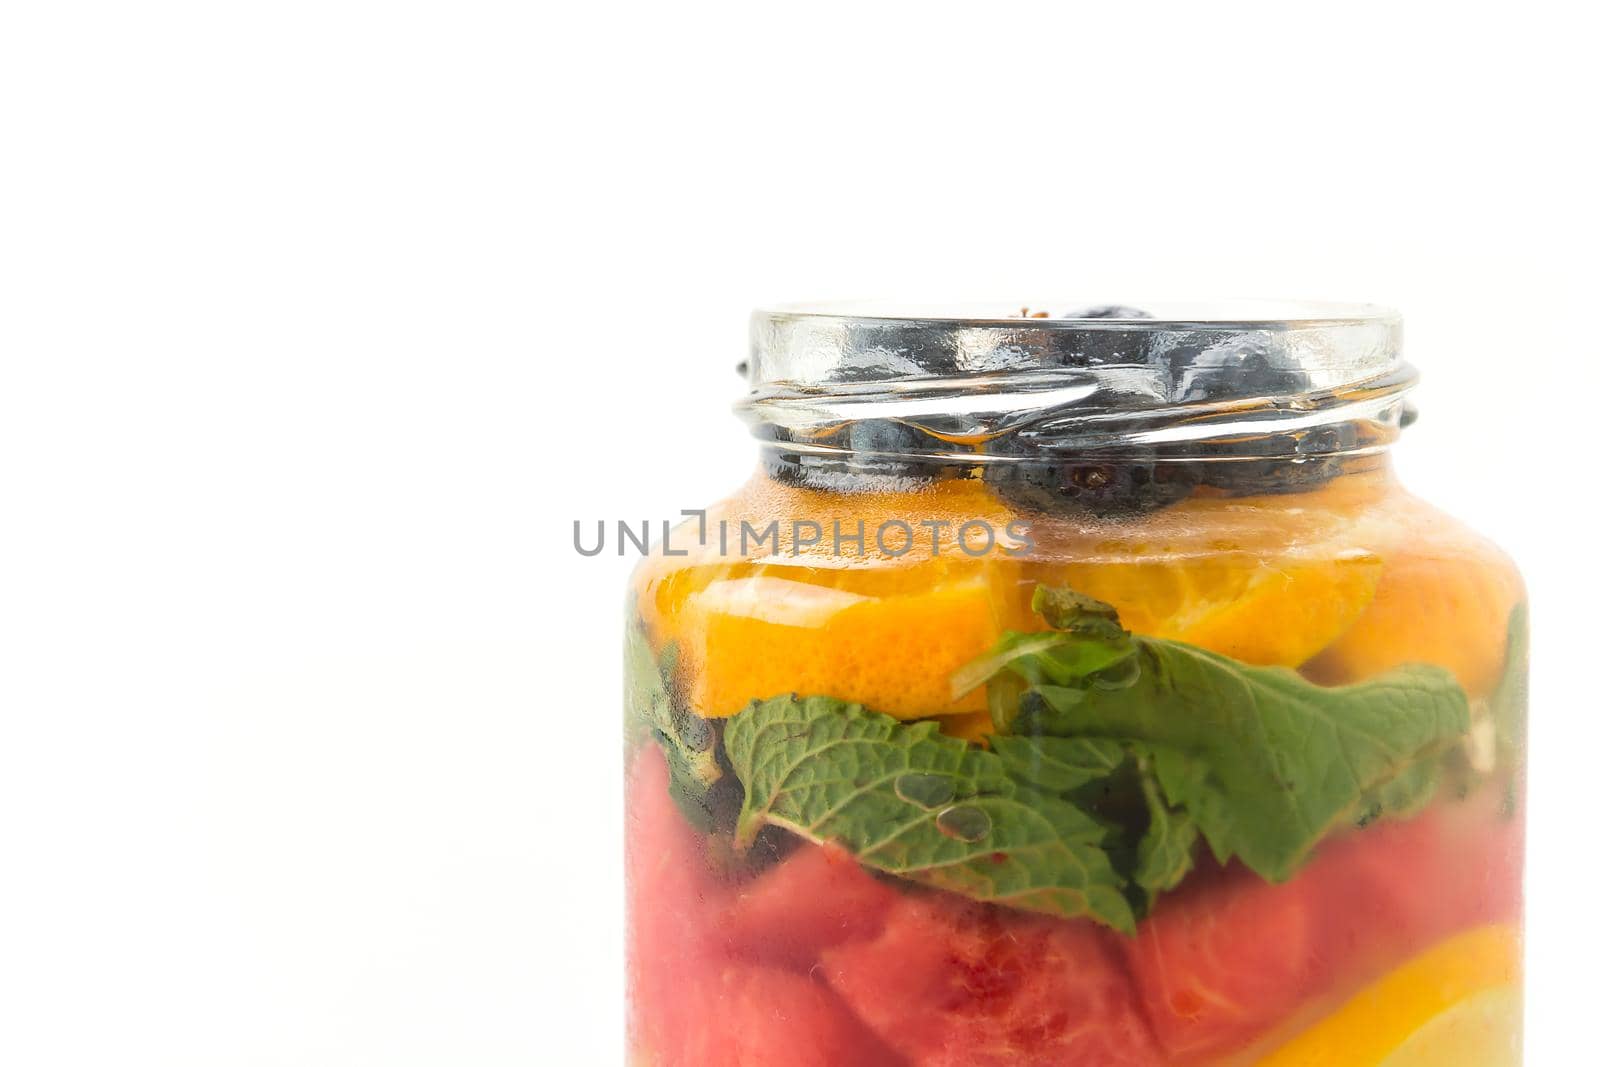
[(912, 802), (1263, 761), (689, 742), (1114, 755), (1508, 704)]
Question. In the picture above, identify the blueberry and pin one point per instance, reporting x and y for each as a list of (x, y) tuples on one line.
[(1237, 367), (1270, 477), (1086, 487), (875, 439), (787, 467), (1109, 311), (1094, 346), (1304, 463), (865, 455), (895, 450)]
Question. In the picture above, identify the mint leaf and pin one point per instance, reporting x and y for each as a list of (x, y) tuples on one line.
[(1265, 762), (1057, 764), (909, 801), (1159, 850), (1072, 612), (1165, 855), (688, 741), (1508, 704), (1403, 795), (1085, 638)]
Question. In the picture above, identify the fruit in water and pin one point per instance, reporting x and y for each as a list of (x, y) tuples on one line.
[(1110, 488), (1445, 598), (691, 1003), (1266, 612), (895, 652), (1484, 1030), (887, 632), (815, 958), (868, 455), (1446, 602), (672, 900), (1398, 886), (1455, 1005), (974, 726), (818, 961), (1107, 311), (1227, 957), (1271, 581), (748, 1016), (1240, 366), (951, 983), (1223, 960), (1286, 612), (816, 898)]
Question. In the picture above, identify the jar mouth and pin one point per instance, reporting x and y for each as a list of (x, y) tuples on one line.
[(1151, 315), (1180, 380), (1233, 348)]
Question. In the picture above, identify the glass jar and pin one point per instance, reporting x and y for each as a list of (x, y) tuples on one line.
[(1075, 687)]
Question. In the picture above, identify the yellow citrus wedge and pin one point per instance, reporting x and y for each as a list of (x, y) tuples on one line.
[(1485, 1030), (1459, 995)]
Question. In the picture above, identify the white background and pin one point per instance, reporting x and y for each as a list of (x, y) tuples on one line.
[(321, 322)]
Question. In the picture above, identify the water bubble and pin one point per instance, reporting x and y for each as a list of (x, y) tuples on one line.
[(925, 790), (964, 823)]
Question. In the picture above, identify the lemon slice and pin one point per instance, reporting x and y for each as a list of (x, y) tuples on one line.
[(1484, 1030), (1459, 1000)]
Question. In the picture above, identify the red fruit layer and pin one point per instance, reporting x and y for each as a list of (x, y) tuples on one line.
[(817, 962), (695, 997), (1226, 958), (950, 983)]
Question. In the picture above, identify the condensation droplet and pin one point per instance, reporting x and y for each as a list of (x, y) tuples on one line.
[(925, 790), (964, 823)]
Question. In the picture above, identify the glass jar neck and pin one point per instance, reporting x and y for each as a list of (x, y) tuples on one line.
[(1108, 483), (1105, 401)]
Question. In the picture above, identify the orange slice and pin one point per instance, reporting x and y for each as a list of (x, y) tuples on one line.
[(752, 638), (1266, 612), (884, 630), (1448, 608)]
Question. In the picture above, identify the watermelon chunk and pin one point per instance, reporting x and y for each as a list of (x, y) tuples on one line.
[(952, 983), (1223, 960), (690, 1004), (672, 903), (818, 962), (1397, 888), (752, 1016), (816, 898), (1228, 957)]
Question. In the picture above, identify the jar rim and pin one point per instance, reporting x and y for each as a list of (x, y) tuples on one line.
[(1166, 374), (1158, 315), (1235, 349)]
